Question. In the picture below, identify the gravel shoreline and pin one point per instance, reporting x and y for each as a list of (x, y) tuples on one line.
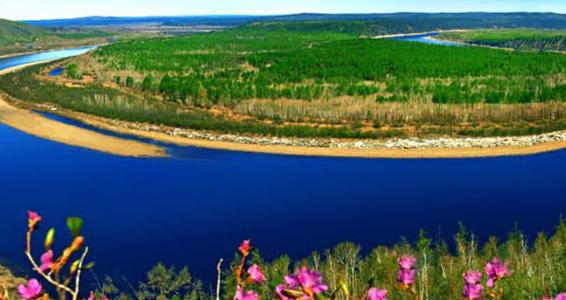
[(394, 143)]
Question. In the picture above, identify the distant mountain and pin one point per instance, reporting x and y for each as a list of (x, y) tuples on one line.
[(127, 21), (416, 20), (431, 21), (15, 32)]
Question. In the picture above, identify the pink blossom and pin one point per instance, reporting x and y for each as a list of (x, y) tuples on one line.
[(245, 247), (496, 270), (34, 216), (33, 219), (407, 273), (30, 291), (472, 287), (46, 261), (472, 277), (243, 295), (256, 274), (561, 297), (472, 291), (407, 262), (375, 294), (406, 277), (309, 281)]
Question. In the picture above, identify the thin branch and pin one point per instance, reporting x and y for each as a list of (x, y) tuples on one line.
[(219, 270), (78, 277), (48, 278)]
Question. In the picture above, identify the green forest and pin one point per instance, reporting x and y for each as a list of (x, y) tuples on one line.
[(223, 68), (315, 80)]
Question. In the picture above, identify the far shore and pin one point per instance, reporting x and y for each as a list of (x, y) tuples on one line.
[(16, 115)]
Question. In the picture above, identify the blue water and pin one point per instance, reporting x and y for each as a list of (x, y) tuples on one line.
[(195, 207), (425, 38), (56, 72), (44, 56)]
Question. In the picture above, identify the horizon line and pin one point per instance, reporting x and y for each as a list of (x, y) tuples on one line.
[(293, 14)]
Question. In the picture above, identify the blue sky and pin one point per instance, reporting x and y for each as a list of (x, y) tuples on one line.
[(49, 9)]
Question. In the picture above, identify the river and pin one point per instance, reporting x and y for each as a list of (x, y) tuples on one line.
[(195, 207), (427, 38)]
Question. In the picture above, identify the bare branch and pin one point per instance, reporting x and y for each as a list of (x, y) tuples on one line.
[(49, 279), (78, 277), (219, 270)]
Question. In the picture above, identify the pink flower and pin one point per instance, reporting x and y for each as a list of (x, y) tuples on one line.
[(472, 277), (33, 219), (472, 291), (46, 261), (407, 262), (496, 270), (34, 216), (30, 291), (472, 287), (245, 247), (406, 277), (561, 297), (256, 274), (375, 294), (407, 272), (309, 281), (243, 295)]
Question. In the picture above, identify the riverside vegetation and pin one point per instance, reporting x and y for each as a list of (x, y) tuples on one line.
[(308, 81), (513, 269), (517, 39)]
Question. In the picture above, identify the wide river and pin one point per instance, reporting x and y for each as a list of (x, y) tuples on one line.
[(195, 207)]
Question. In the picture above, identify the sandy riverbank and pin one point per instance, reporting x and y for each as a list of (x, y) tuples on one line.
[(37, 125), (398, 148), (168, 137), (40, 126)]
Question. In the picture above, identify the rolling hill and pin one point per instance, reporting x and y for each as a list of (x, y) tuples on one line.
[(15, 32)]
